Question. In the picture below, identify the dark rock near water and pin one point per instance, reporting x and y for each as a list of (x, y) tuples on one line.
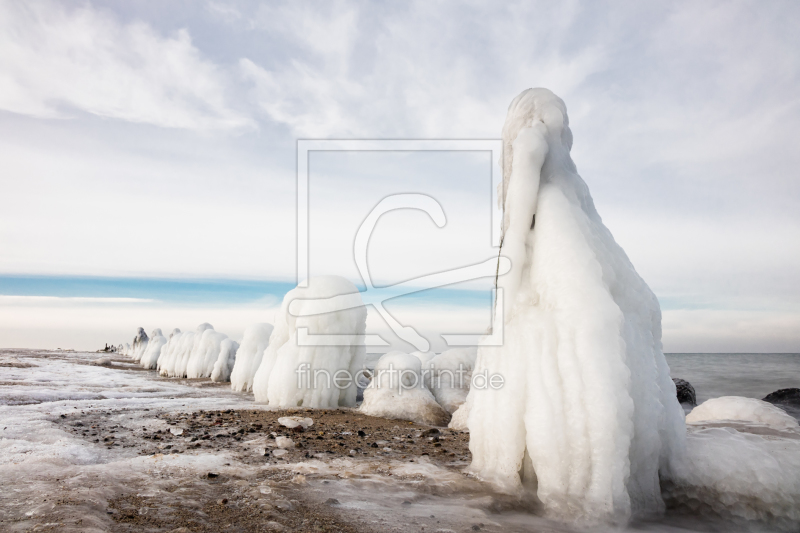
[(784, 396), (685, 392)]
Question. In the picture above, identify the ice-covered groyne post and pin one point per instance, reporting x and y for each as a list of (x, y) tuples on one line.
[(139, 344), (249, 355), (314, 352), (587, 416)]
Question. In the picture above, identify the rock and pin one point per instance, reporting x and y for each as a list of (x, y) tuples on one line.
[(430, 432), (212, 475), (293, 422), (784, 396), (361, 433), (103, 361), (786, 399), (332, 501), (685, 392)]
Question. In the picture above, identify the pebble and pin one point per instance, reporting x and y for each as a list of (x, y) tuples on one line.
[(284, 442)]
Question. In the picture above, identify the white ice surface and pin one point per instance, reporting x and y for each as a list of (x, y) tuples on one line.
[(153, 351), (225, 361), (742, 409), (451, 377), (205, 354), (249, 355), (398, 390), (40, 461), (139, 344), (741, 474), (278, 380), (587, 417)]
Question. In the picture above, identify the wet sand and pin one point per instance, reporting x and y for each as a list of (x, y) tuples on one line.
[(270, 496)]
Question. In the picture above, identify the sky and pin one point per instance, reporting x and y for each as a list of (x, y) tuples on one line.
[(149, 155)]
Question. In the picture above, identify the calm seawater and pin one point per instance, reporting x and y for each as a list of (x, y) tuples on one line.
[(753, 375)]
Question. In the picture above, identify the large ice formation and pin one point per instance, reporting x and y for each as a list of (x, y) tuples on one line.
[(205, 353), (739, 475), (139, 345), (742, 409), (587, 416), (249, 355), (281, 379), (398, 390), (153, 352), (225, 360), (168, 352), (178, 351)]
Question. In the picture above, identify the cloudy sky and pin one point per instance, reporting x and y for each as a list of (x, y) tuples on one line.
[(149, 154)]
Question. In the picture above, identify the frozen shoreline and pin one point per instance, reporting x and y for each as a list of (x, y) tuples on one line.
[(58, 475)]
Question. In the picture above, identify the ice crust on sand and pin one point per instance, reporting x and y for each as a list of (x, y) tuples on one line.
[(153, 352), (398, 390), (249, 355), (587, 417), (225, 360), (277, 381), (742, 409)]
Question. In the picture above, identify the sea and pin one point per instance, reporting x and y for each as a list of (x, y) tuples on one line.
[(752, 375)]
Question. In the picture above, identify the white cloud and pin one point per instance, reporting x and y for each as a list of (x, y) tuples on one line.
[(418, 71), (55, 61)]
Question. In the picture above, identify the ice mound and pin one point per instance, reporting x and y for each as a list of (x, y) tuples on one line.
[(168, 353), (737, 475), (139, 345), (398, 390), (451, 377), (744, 410), (282, 380), (225, 360), (587, 417), (205, 353), (153, 352), (249, 355), (178, 351)]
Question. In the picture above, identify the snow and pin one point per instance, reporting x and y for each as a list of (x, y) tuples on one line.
[(225, 361), (742, 409), (398, 390), (279, 380), (153, 352), (249, 355), (587, 418)]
